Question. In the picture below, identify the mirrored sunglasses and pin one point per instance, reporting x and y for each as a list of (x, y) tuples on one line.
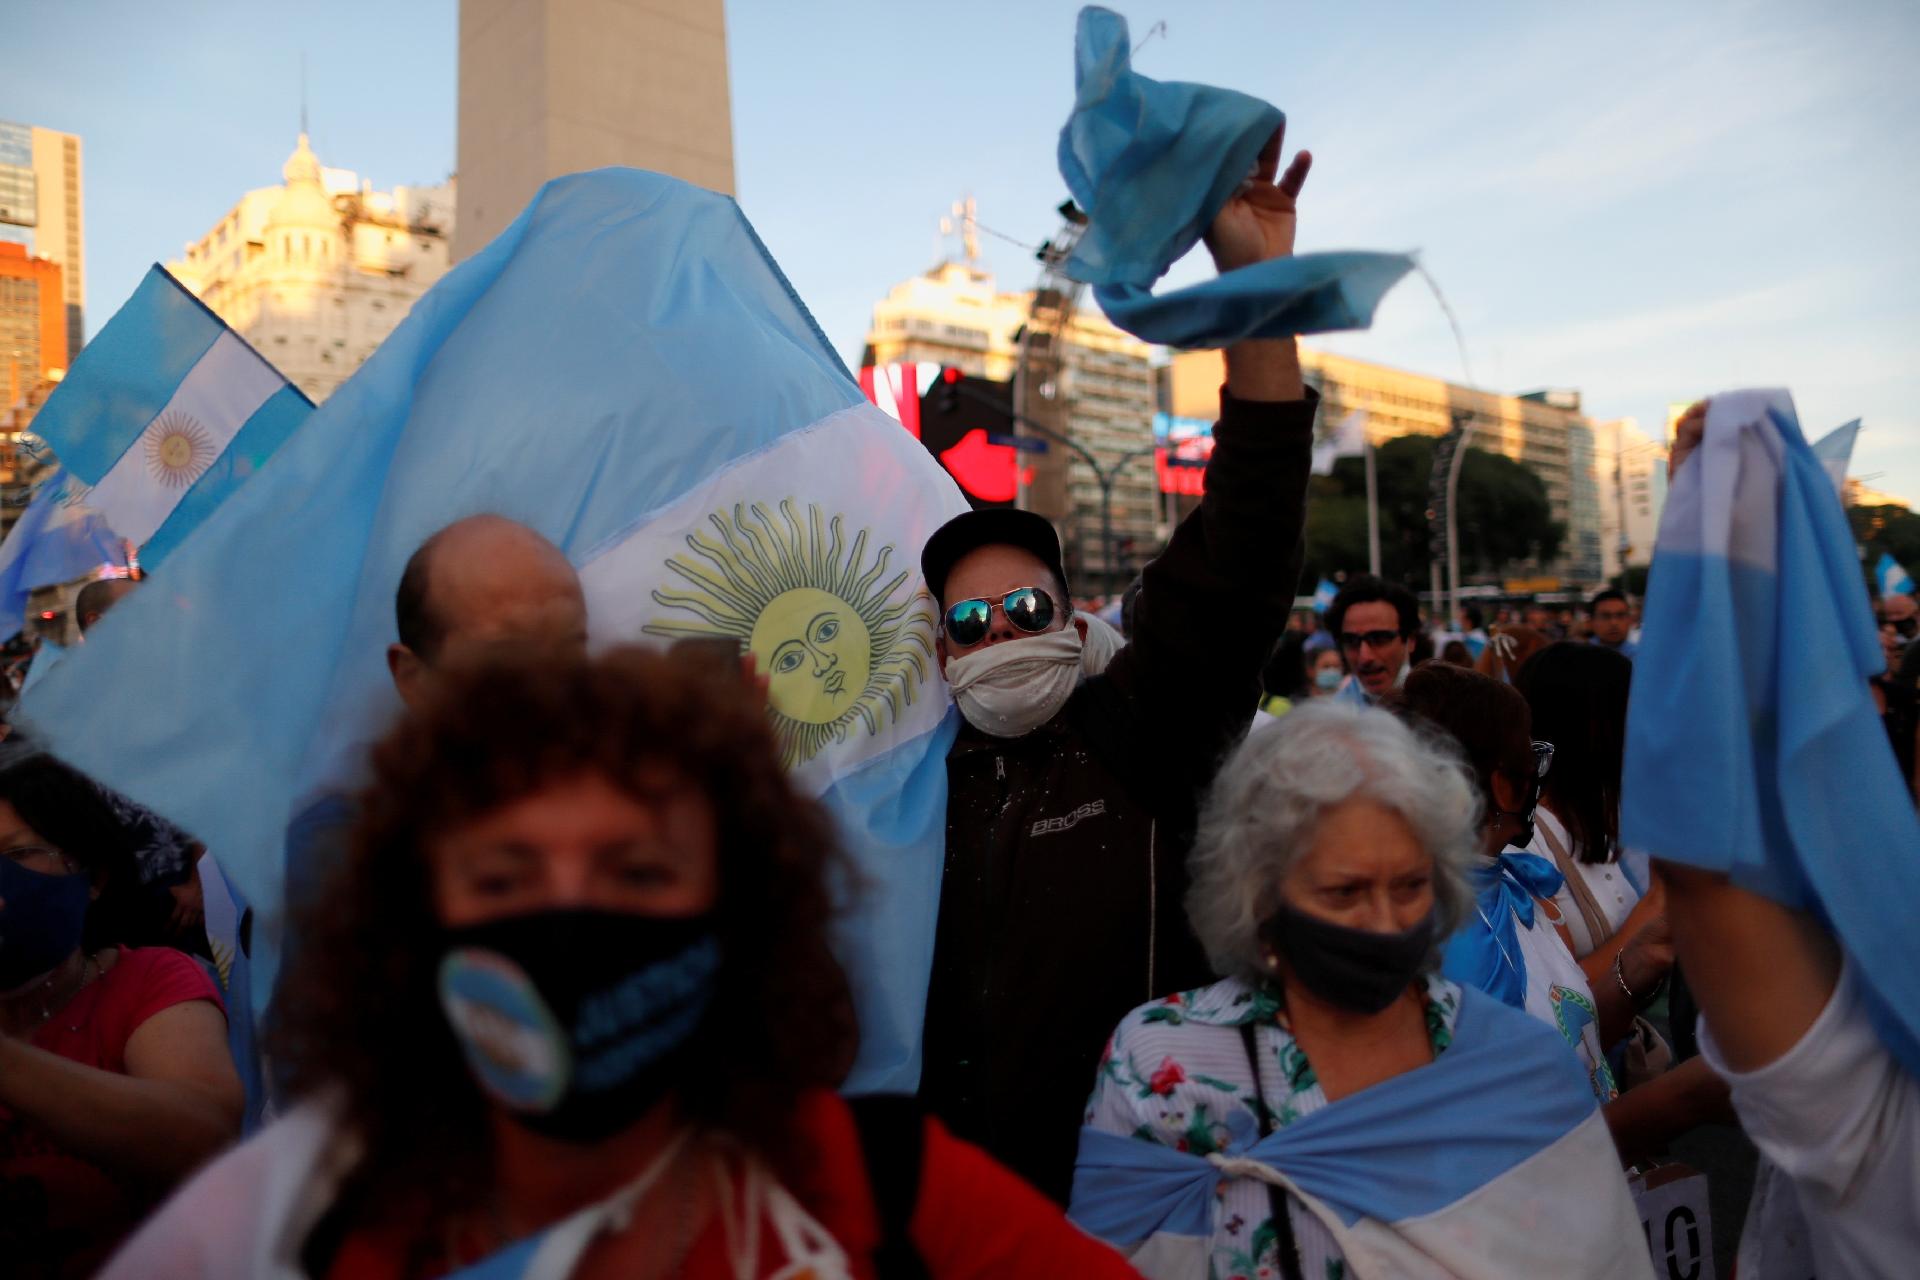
[(966, 622)]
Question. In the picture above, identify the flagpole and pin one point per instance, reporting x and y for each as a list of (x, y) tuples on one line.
[(1373, 516)]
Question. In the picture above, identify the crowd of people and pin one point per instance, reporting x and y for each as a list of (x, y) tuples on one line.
[(1267, 944)]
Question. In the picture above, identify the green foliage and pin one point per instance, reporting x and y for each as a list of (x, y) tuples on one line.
[(1504, 517), (1888, 530)]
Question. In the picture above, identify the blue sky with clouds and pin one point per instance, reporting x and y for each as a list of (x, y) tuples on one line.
[(1644, 201)]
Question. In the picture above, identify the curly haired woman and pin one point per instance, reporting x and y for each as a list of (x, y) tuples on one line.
[(570, 1010)]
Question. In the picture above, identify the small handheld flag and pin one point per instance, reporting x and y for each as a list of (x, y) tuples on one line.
[(57, 539), (1893, 579), (165, 413), (1152, 164), (1323, 595), (1835, 452), (1347, 440)]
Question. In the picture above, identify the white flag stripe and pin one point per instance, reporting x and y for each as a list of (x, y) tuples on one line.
[(861, 498), (219, 394), (1728, 508)]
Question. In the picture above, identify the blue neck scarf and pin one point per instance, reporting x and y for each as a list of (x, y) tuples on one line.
[(1485, 953)]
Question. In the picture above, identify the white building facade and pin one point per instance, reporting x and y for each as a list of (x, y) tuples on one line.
[(316, 272)]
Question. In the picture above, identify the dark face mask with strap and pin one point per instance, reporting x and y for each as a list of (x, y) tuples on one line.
[(1355, 969)]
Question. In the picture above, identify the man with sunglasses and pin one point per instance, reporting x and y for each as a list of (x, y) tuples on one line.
[(1071, 801), (1374, 622)]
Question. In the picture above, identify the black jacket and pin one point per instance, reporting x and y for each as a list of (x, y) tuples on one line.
[(1062, 905)]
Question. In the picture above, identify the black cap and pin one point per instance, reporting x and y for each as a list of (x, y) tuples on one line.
[(988, 527)]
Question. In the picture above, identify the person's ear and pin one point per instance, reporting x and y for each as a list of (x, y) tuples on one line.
[(940, 646), (1508, 795), (408, 672)]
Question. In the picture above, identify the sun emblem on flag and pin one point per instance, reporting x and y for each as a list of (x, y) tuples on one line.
[(839, 647), (179, 450)]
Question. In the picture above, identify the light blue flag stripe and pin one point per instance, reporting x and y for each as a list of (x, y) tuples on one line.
[(126, 375), (263, 433)]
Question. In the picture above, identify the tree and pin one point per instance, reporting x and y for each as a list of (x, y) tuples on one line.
[(1885, 530), (1504, 516)]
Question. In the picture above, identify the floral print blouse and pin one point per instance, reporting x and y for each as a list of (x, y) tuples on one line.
[(1175, 1072)]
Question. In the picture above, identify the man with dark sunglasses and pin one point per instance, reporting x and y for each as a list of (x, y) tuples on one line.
[(1071, 799), (1373, 622)]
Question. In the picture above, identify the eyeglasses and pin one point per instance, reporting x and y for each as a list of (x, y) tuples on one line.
[(1542, 759), (1029, 608), (1352, 640)]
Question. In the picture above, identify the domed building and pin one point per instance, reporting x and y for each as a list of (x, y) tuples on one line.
[(317, 271)]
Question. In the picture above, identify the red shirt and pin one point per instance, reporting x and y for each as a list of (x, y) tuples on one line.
[(974, 1219), (58, 1210)]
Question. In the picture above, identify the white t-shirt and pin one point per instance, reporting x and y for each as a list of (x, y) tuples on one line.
[(1841, 1118), (1611, 886)]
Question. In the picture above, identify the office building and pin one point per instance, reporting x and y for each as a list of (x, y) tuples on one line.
[(33, 322), (1631, 469), (551, 87), (317, 271), (955, 315), (41, 208), (1543, 430)]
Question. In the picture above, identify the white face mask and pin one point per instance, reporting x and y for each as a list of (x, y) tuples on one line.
[(1014, 687)]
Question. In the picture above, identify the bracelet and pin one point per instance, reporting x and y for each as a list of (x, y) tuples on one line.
[(1620, 977)]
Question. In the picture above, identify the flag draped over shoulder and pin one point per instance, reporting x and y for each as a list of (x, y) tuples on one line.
[(165, 413), (58, 538), (1744, 755), (1450, 1169), (626, 371), (1152, 165)]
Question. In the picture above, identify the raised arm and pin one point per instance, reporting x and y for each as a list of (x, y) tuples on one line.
[(1215, 601)]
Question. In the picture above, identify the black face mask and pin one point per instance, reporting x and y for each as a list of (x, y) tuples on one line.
[(576, 1021), (1355, 969)]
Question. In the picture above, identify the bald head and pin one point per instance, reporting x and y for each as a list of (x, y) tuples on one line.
[(97, 597), (480, 583)]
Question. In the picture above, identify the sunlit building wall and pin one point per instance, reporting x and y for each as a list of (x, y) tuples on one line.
[(955, 315), (316, 272), (1543, 430)]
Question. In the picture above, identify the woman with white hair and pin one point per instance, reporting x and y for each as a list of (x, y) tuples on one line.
[(1333, 1106)]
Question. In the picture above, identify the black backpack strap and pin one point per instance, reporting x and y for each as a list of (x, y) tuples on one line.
[(1284, 1244), (892, 1130)]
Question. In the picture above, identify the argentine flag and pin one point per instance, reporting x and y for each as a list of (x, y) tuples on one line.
[(626, 371), (58, 538), (1323, 595), (1894, 580), (1464, 1167), (1742, 756), (165, 413)]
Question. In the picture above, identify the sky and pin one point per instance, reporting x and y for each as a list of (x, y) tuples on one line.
[(1646, 202)]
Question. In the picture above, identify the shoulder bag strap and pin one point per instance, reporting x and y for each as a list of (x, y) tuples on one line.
[(1285, 1244), (1598, 930)]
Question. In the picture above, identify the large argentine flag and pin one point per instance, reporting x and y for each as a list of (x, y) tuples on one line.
[(1463, 1167), (58, 538), (625, 370), (1744, 757), (165, 413)]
